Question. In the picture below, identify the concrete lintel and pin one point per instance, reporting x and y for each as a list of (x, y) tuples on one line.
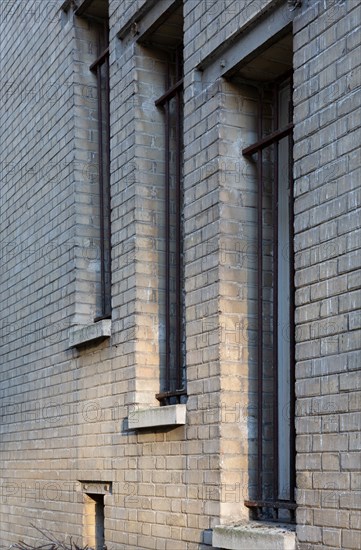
[(259, 34), (171, 415), (149, 16), (82, 335), (92, 8), (254, 536), (82, 6), (96, 487), (67, 5)]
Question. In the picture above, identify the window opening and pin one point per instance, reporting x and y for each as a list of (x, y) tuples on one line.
[(171, 102), (100, 68), (274, 491), (94, 521)]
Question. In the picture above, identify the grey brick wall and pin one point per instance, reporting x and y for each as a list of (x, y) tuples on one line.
[(326, 97), (64, 411)]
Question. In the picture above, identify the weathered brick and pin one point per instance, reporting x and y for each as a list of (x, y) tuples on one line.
[(169, 483), (330, 442), (331, 537), (331, 518), (351, 539), (331, 462), (322, 480), (309, 533)]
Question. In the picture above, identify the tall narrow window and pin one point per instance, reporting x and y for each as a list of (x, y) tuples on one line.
[(101, 69), (274, 491), (172, 365)]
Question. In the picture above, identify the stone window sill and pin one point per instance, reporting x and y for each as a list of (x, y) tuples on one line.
[(254, 536), (87, 334), (171, 415)]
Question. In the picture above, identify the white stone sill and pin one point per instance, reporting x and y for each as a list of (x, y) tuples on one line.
[(254, 536), (81, 335), (171, 415)]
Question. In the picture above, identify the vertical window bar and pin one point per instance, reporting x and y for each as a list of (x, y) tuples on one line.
[(275, 303), (292, 309), (107, 309), (167, 238), (178, 236), (101, 189), (260, 304)]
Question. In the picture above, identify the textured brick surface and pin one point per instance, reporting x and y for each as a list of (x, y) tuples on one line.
[(324, 216), (64, 411)]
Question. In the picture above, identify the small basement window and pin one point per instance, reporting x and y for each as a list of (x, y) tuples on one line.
[(94, 521)]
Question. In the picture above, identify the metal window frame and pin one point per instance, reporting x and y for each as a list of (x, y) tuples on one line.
[(259, 504)]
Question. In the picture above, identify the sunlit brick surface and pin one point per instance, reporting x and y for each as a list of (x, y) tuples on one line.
[(65, 410)]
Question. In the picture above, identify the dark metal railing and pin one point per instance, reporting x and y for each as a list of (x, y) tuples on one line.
[(262, 505)]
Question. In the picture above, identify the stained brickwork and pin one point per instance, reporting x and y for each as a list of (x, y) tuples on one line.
[(65, 411)]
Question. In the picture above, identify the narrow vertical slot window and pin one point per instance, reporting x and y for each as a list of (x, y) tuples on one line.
[(274, 491), (100, 68), (173, 368)]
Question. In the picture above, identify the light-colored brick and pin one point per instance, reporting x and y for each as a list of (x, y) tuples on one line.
[(64, 412)]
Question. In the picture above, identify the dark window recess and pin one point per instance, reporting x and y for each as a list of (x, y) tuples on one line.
[(97, 521), (172, 373), (274, 451), (100, 68)]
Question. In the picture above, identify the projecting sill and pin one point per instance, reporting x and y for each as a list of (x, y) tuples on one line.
[(254, 536), (87, 334), (171, 415)]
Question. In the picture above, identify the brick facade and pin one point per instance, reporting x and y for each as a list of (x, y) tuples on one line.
[(327, 134), (66, 410)]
